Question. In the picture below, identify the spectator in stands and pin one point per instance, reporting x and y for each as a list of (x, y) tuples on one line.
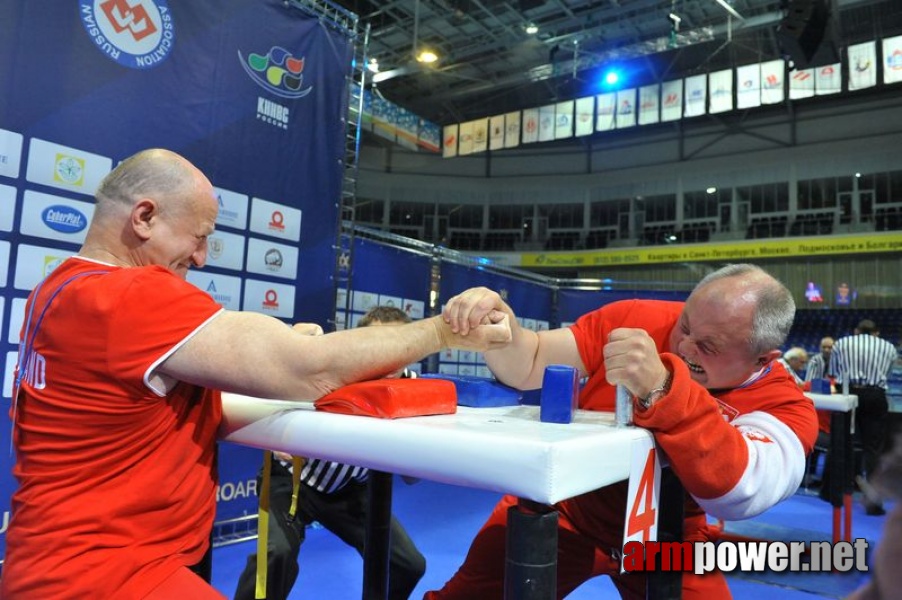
[(863, 361), (819, 365), (116, 400), (794, 361), (334, 495), (736, 430)]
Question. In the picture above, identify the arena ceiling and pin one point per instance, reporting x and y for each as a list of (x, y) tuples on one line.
[(490, 64)]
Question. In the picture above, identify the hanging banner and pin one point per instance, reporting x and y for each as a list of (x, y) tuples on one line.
[(801, 84), (512, 129), (563, 120), (465, 139), (605, 105), (773, 75), (892, 59), (625, 111), (862, 66), (748, 86), (480, 135), (530, 126), (696, 96), (649, 98), (546, 123), (449, 140), (720, 84), (585, 116), (496, 132), (672, 100), (828, 79)]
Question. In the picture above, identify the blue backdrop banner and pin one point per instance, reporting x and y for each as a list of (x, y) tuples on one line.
[(254, 93)]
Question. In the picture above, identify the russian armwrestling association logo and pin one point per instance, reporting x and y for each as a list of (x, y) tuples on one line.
[(279, 73), (137, 34)]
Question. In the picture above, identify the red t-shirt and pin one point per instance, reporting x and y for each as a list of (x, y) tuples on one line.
[(117, 476)]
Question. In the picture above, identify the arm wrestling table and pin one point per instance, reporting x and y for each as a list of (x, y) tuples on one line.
[(504, 449)]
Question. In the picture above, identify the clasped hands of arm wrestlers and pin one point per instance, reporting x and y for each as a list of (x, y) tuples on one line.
[(630, 356)]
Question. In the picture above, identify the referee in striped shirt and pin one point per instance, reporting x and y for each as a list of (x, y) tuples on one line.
[(334, 495), (864, 360)]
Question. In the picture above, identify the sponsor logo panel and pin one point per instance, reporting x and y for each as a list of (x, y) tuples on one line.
[(34, 263), (66, 168), (4, 262), (224, 289), (274, 299), (7, 207), (138, 34), (16, 318), (269, 258), (8, 374), (10, 153), (225, 250), (232, 208), (55, 217), (278, 220)]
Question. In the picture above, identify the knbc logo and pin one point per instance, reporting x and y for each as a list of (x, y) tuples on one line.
[(64, 219), (277, 72), (137, 34)]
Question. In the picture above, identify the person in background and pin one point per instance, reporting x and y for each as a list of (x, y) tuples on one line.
[(863, 361), (794, 361), (819, 365), (116, 399), (735, 428), (335, 495)]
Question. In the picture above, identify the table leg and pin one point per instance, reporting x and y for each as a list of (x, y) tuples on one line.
[(668, 585), (842, 473), (530, 571), (378, 536)]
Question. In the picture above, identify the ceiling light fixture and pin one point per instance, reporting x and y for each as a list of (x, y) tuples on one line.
[(372, 66), (531, 28), (427, 56)]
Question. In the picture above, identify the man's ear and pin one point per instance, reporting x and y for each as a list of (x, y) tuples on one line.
[(767, 357), (143, 214)]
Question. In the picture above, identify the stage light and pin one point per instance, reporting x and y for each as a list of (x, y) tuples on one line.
[(427, 56), (612, 77), (531, 29)]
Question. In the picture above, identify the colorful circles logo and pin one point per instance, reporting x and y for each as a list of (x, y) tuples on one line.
[(137, 34), (277, 71)]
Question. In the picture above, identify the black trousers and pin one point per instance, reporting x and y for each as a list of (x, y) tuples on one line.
[(344, 514)]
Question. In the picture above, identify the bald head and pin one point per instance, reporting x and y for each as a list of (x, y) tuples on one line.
[(773, 307), (168, 178)]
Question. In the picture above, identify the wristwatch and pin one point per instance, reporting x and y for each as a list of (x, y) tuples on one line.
[(656, 394)]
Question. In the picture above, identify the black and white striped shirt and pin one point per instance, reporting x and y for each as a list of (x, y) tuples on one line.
[(863, 360), (817, 368)]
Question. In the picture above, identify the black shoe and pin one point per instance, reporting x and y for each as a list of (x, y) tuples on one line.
[(874, 510)]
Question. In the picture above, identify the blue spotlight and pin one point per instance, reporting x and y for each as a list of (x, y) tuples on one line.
[(611, 78)]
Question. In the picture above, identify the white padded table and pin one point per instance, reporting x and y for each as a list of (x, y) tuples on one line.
[(834, 402), (505, 449)]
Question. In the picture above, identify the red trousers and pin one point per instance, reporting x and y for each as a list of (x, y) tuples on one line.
[(579, 559)]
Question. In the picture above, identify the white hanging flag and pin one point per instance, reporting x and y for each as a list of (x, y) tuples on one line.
[(801, 84), (772, 81), (828, 79), (672, 100), (496, 132), (465, 142), (720, 90), (892, 59), (604, 111), (696, 96), (626, 108), (480, 135), (546, 123), (748, 86), (862, 66), (563, 120), (585, 116), (449, 141), (649, 104), (530, 125), (512, 129)]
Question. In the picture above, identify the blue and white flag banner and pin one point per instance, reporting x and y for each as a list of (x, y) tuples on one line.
[(862, 66), (649, 104), (720, 90)]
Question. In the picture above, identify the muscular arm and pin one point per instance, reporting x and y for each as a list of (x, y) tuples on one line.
[(520, 364), (254, 354)]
